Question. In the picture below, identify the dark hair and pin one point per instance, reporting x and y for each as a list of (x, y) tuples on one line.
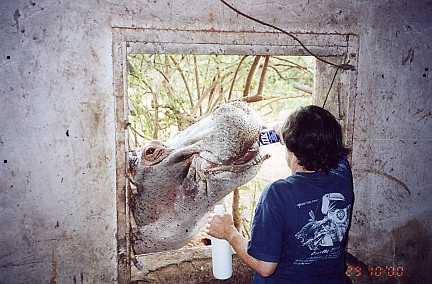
[(315, 137)]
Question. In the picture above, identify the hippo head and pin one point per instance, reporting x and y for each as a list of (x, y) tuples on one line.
[(180, 180)]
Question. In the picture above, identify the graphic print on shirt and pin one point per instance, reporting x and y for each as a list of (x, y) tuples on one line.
[(324, 236)]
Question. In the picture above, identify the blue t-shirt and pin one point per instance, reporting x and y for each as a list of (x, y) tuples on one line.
[(301, 223)]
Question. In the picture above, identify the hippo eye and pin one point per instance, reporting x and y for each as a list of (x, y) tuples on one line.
[(154, 154), (150, 151)]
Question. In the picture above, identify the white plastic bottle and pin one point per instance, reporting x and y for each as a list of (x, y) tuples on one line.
[(221, 253)]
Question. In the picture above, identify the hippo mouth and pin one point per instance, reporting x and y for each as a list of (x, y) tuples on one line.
[(251, 158)]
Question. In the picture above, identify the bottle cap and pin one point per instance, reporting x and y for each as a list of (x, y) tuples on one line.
[(219, 209)]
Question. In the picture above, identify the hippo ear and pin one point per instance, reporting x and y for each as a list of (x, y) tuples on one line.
[(133, 161)]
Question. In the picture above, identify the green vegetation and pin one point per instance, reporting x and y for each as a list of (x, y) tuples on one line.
[(169, 92)]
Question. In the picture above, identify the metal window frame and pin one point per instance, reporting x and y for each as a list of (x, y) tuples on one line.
[(332, 46)]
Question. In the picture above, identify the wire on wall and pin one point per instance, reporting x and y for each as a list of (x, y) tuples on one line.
[(343, 66)]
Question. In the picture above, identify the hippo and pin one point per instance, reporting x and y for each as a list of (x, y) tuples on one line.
[(179, 181)]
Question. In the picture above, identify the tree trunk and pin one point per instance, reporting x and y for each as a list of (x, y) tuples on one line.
[(236, 209)]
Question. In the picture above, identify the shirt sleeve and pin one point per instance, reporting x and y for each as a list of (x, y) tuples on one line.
[(267, 228)]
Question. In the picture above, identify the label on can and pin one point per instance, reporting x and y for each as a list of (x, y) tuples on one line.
[(268, 137)]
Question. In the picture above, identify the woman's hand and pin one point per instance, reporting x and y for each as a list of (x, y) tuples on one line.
[(220, 227)]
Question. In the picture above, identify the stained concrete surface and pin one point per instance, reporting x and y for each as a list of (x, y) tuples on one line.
[(58, 130)]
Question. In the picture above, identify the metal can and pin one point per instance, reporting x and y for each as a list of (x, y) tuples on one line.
[(268, 136)]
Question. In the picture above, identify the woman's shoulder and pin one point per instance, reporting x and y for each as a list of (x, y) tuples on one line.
[(343, 168), (283, 186), (284, 183)]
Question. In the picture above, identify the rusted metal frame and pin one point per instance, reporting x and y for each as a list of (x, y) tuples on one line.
[(214, 48), (349, 83), (255, 38), (204, 42), (341, 96), (123, 224), (222, 42)]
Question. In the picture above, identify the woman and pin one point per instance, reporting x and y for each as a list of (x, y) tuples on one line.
[(301, 223)]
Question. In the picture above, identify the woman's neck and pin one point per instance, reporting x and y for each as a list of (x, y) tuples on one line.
[(296, 168)]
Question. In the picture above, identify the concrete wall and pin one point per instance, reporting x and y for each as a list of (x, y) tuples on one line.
[(57, 126)]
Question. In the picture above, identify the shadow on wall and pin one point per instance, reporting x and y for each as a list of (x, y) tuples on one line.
[(410, 263)]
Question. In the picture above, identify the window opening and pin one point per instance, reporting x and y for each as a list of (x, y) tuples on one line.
[(166, 93), (178, 44)]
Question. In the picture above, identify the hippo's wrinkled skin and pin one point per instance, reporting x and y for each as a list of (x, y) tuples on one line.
[(179, 181)]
